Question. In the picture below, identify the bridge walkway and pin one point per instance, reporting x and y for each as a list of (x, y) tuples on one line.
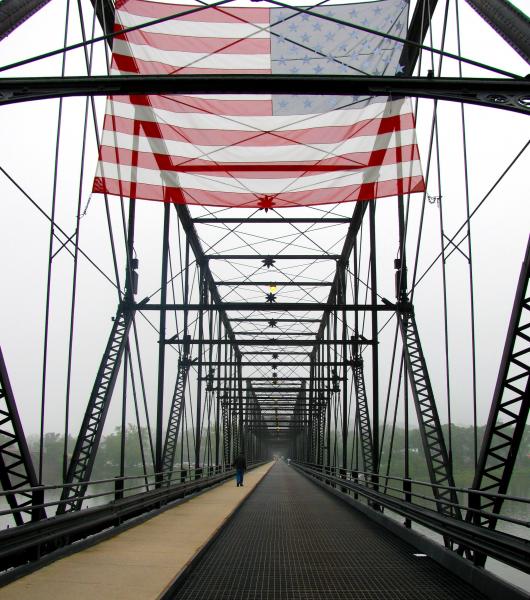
[(141, 562), (291, 540)]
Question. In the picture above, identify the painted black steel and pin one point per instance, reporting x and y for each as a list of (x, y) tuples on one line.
[(267, 307), (272, 220), (273, 256), (14, 12), (508, 21), (175, 417), (84, 453), (430, 427), (508, 94), (363, 414), (278, 283), (16, 465), (510, 406)]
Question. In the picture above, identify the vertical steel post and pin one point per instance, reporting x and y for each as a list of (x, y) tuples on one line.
[(162, 345), (218, 394), (240, 405), (342, 300), (84, 454), (375, 351), (203, 294)]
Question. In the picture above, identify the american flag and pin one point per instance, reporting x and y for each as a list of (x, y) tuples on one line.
[(258, 150)]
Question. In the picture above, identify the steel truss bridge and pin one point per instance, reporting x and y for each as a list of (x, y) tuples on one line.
[(269, 342)]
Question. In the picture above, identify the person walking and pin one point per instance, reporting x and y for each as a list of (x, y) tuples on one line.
[(240, 464)]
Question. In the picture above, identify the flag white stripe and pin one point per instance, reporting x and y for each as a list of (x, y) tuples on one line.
[(191, 59), (336, 118), (262, 154)]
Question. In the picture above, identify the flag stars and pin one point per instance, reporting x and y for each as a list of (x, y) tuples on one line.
[(318, 69), (329, 36), (308, 103), (305, 38), (293, 27), (306, 60), (317, 26)]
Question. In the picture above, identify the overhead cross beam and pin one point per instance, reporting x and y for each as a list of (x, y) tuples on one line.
[(268, 306), (509, 94)]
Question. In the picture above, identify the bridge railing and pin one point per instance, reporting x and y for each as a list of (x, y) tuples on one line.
[(117, 487), (384, 492)]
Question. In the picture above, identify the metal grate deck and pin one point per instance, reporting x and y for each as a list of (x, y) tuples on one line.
[(291, 541)]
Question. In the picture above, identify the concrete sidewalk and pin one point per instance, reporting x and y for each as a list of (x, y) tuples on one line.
[(141, 562)]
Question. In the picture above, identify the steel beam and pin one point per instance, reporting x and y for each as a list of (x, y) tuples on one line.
[(273, 256), (174, 419), (417, 30), (509, 409), (252, 320), (279, 353), (363, 415), (439, 467), (272, 220), (267, 342), (281, 333), (16, 466), (266, 306), (84, 453), (277, 283), (14, 12), (279, 364), (508, 21), (509, 94)]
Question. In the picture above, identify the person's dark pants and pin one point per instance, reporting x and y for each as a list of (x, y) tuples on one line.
[(239, 477)]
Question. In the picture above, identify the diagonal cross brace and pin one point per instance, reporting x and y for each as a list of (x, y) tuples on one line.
[(175, 417), (509, 409), (432, 437), (16, 466), (363, 414), (89, 436)]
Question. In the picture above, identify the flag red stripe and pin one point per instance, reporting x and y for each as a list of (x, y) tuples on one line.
[(286, 200), (205, 137), (353, 161), (222, 14)]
